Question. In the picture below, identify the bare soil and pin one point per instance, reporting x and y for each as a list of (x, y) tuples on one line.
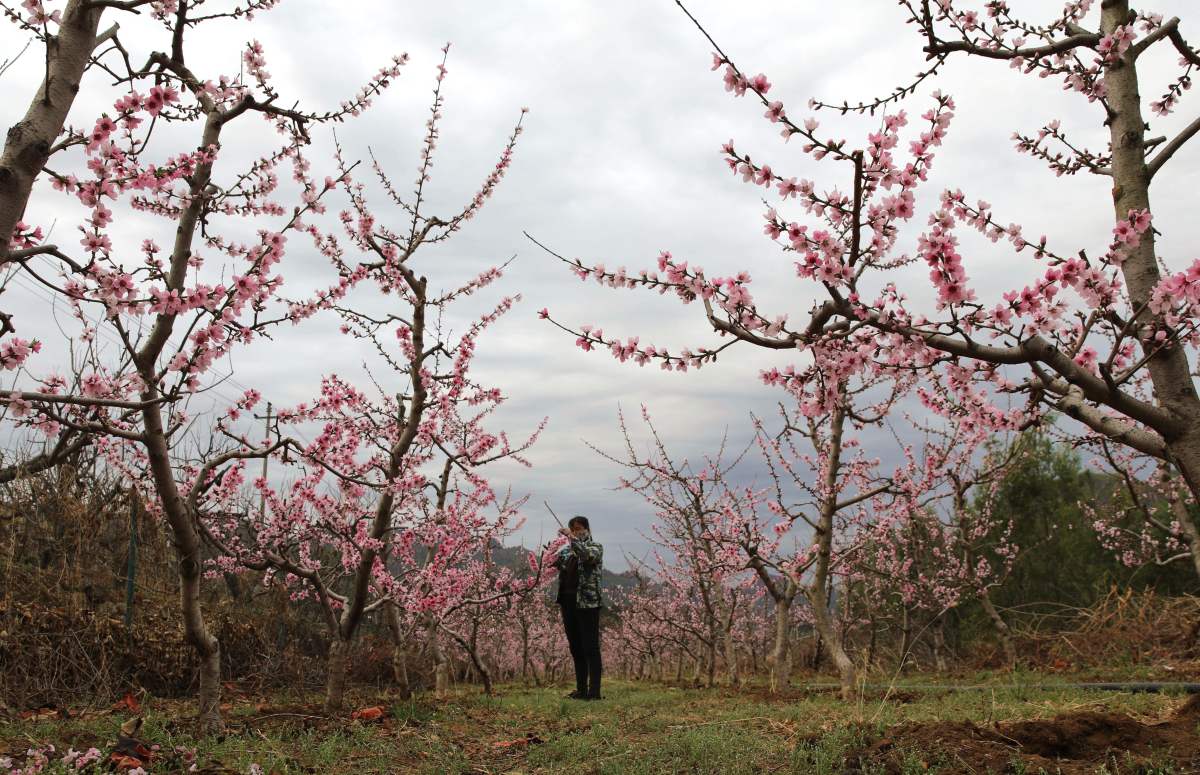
[(1071, 744)]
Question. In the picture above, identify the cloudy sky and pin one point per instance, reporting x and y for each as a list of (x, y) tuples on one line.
[(619, 160)]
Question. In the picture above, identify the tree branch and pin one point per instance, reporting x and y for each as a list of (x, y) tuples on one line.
[(1167, 151)]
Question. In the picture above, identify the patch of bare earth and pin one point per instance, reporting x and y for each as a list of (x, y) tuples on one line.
[(1071, 744)]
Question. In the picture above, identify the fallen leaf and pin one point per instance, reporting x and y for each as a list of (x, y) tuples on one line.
[(41, 714), (128, 702), (368, 714), (122, 762)]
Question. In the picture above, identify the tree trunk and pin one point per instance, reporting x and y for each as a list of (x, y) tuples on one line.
[(441, 667), (820, 591), (481, 671), (874, 642), (181, 514), (209, 699), (844, 615), (441, 678), (731, 656), (28, 142), (1003, 634), (939, 646), (781, 654), (905, 638), (471, 646), (232, 585), (335, 677), (845, 666), (1170, 372), (526, 664), (400, 672), (186, 541), (1191, 533), (485, 675), (399, 651)]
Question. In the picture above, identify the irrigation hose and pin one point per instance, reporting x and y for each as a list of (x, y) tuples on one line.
[(1134, 687)]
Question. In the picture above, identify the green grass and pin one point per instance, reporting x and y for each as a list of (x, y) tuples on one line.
[(638, 729)]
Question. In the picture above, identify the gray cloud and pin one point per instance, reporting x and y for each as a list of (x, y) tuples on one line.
[(619, 161)]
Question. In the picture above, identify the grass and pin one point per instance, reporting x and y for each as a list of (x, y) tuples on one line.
[(637, 729)]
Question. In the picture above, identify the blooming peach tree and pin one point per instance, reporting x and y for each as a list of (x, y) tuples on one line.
[(702, 578), (940, 543), (1151, 519), (392, 486), (1106, 334), (153, 318)]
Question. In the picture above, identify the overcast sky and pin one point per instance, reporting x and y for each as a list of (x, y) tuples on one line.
[(620, 160)]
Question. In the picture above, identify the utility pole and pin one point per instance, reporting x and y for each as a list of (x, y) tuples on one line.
[(231, 579), (281, 631), (131, 566), (262, 497)]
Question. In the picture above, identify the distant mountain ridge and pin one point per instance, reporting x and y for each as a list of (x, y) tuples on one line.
[(516, 558)]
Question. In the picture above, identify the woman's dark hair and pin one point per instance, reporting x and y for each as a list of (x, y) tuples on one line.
[(578, 520)]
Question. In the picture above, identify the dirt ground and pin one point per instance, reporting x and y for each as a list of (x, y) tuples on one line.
[(1072, 743), (641, 729)]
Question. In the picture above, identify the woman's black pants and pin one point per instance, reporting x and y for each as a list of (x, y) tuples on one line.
[(583, 637)]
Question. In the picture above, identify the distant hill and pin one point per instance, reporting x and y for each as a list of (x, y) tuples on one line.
[(516, 559)]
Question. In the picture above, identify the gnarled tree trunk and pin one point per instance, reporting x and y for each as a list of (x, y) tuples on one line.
[(939, 645), (729, 647), (29, 141), (905, 637), (823, 622), (441, 666), (399, 651), (188, 552), (820, 591), (1170, 372), (781, 653), (1003, 634), (335, 675)]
